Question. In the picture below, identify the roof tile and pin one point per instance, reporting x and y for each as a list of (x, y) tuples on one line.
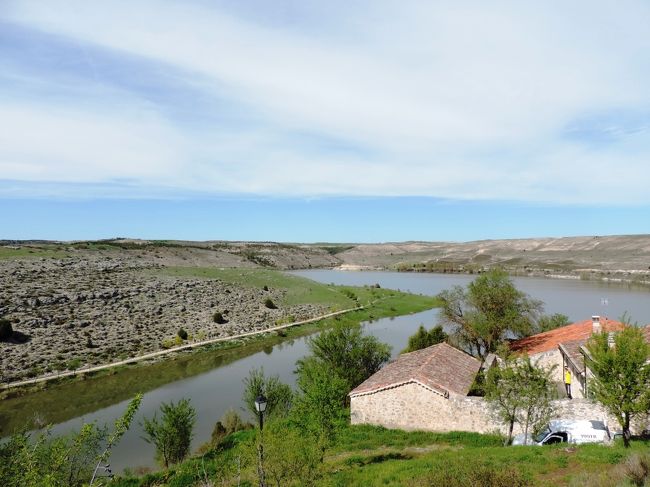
[(440, 367), (549, 340)]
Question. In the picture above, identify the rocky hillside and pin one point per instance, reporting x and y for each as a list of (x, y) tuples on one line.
[(84, 304), (625, 257)]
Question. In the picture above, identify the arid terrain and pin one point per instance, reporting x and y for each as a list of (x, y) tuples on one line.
[(614, 257), (85, 303)]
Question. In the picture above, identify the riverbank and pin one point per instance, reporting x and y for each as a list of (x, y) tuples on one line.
[(59, 400)]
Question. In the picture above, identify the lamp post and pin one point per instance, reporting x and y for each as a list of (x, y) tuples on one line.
[(260, 406)]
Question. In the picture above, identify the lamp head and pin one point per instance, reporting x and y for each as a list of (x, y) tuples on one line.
[(260, 403)]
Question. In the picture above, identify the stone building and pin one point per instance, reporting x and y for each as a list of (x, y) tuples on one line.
[(419, 390), (427, 389), (564, 346)]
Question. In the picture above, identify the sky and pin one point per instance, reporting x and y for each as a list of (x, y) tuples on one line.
[(305, 120)]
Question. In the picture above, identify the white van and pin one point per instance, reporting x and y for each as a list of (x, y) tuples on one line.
[(568, 431)]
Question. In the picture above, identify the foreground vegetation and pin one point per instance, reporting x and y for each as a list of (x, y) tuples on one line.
[(369, 455)]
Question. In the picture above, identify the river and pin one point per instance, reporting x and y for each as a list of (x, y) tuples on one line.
[(219, 389)]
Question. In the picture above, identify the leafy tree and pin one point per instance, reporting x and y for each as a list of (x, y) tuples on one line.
[(278, 395), (423, 338), (268, 302), (537, 391), (551, 322), (319, 407), (346, 352), (69, 460), (621, 381), (172, 435), (519, 392), (490, 310), (6, 330)]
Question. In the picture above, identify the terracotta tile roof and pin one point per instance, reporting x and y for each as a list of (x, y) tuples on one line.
[(440, 368), (549, 340)]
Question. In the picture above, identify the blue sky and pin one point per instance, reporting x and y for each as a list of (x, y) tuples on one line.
[(314, 121)]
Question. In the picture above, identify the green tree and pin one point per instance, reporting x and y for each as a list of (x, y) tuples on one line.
[(520, 393), (346, 352), (423, 338), (319, 407), (278, 395), (172, 434), (621, 375), (36, 460), (537, 392), (490, 310), (551, 322)]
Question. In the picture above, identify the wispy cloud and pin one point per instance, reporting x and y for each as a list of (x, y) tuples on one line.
[(447, 99)]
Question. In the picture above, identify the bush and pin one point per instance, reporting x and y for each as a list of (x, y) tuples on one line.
[(172, 435), (268, 302), (218, 318), (182, 334), (637, 469), (6, 330)]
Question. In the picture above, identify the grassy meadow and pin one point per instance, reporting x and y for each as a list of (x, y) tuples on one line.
[(374, 456)]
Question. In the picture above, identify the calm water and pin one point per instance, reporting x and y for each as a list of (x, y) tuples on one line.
[(575, 298), (214, 392)]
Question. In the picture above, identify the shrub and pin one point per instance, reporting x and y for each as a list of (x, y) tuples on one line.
[(265, 288), (74, 364), (218, 318), (232, 422), (172, 435), (182, 334), (6, 330), (268, 302), (637, 469)]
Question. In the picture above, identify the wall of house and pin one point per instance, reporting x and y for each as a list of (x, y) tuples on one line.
[(412, 407), (553, 358)]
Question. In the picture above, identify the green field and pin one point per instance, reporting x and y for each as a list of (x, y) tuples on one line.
[(374, 456), (32, 252), (298, 289)]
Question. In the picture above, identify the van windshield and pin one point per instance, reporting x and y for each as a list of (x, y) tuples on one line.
[(542, 434)]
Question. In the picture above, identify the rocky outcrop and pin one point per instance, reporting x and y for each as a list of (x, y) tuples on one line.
[(85, 311)]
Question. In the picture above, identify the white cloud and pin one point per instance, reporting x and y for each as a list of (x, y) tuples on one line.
[(465, 100)]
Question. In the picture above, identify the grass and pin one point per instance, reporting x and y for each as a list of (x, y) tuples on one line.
[(298, 290), (48, 252), (368, 456)]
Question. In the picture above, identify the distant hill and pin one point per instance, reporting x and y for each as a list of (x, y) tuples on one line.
[(624, 257)]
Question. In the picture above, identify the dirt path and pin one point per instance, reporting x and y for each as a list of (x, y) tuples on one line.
[(159, 353)]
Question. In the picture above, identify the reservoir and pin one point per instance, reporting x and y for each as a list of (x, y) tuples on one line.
[(219, 386)]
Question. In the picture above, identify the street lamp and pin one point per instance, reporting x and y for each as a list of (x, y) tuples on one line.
[(260, 406)]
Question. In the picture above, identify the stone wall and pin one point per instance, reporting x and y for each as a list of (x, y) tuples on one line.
[(553, 358), (413, 407)]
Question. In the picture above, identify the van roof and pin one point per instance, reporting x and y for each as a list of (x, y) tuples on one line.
[(572, 424)]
